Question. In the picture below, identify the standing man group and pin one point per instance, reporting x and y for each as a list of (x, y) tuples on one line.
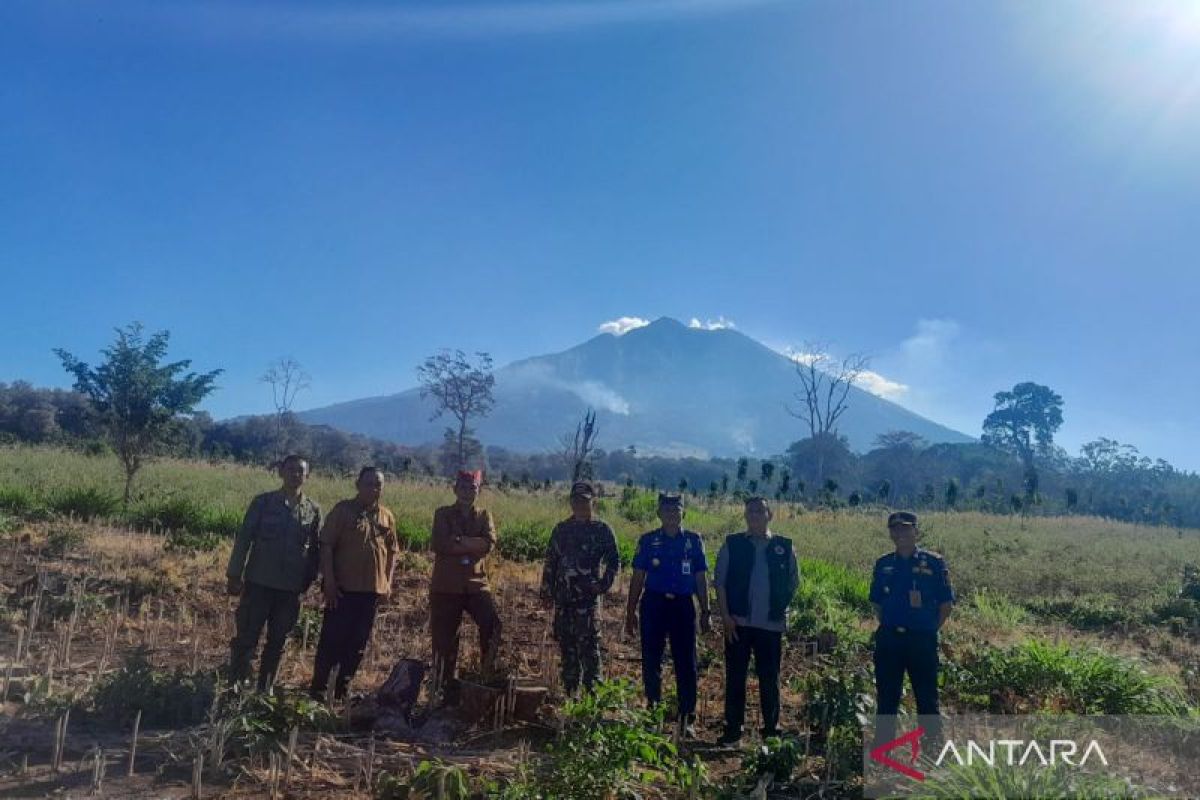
[(282, 545)]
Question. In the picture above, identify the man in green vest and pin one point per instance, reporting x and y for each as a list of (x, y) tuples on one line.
[(756, 577)]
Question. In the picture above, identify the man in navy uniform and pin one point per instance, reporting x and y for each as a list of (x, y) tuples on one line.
[(912, 596), (670, 565), (757, 575)]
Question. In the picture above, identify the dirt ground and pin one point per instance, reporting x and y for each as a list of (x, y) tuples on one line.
[(188, 620)]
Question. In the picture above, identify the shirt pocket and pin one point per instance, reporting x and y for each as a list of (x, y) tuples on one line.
[(274, 523)]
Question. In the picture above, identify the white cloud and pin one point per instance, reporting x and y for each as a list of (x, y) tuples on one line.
[(803, 357), (718, 324), (622, 325), (880, 386), (868, 380)]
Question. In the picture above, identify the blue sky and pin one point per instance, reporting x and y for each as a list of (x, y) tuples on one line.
[(974, 193)]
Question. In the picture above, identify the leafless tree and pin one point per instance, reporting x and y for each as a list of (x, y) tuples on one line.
[(287, 379), (460, 387), (577, 448), (824, 396)]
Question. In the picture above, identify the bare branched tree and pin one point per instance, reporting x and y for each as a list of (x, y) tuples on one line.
[(287, 379), (824, 396), (460, 387), (577, 448)]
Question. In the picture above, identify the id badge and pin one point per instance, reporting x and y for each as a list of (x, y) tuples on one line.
[(687, 567), (914, 598)]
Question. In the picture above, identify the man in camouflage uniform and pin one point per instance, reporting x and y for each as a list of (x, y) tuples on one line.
[(572, 581), (274, 560)]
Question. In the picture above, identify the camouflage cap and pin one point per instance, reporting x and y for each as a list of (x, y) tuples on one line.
[(582, 489), (902, 518)]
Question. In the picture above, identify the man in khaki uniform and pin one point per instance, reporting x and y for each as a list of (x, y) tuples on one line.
[(463, 535), (273, 563), (358, 556)]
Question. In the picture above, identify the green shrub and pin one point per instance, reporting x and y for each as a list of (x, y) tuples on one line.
[(185, 514), (19, 500), (64, 538), (831, 600), (412, 535), (8, 524), (83, 502), (254, 722), (223, 522), (430, 779), (996, 610), (309, 622), (1180, 613), (609, 743), (524, 541), (186, 541), (1058, 780), (167, 699), (777, 757), (63, 606), (1086, 613), (626, 548), (835, 693), (638, 506), (176, 513), (1036, 675)]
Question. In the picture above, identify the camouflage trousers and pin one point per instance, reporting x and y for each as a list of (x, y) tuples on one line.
[(578, 635)]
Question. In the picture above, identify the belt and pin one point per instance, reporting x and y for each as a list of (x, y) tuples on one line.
[(904, 629), (670, 595)]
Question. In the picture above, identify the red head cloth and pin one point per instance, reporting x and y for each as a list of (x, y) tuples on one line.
[(474, 478)]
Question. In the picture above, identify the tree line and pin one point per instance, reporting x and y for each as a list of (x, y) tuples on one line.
[(137, 404)]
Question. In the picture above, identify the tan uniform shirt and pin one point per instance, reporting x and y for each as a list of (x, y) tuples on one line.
[(364, 546), (460, 574)]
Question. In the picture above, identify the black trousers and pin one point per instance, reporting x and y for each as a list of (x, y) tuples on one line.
[(767, 649), (445, 617), (673, 619), (345, 631), (278, 610), (897, 653)]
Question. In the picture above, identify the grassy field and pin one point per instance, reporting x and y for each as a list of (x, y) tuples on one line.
[(1017, 557), (1055, 614)]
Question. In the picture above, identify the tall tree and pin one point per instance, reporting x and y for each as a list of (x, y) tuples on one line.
[(461, 387), (137, 397), (1024, 422), (824, 395)]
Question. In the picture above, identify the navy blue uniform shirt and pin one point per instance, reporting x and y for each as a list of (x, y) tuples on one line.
[(910, 589), (670, 562)]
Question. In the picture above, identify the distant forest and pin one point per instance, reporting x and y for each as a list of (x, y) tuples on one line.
[(1107, 478)]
